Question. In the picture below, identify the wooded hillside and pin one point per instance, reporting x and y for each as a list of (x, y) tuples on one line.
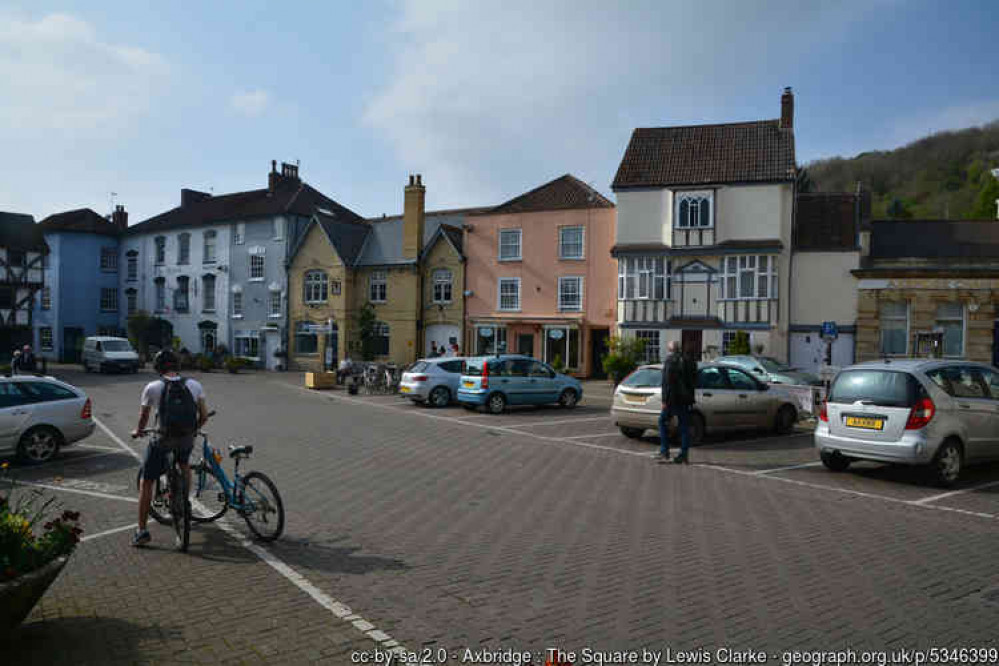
[(943, 176)]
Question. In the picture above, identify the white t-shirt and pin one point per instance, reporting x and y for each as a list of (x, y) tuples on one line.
[(154, 390)]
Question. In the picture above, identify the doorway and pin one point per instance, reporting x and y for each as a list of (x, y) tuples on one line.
[(72, 344), (598, 350), (995, 344), (690, 341), (525, 344)]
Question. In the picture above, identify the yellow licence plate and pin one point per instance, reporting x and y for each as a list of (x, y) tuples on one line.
[(635, 399), (404, 389), (864, 422), (468, 384)]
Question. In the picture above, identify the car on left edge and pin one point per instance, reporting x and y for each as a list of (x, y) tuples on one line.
[(39, 415)]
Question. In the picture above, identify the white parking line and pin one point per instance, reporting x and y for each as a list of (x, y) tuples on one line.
[(784, 469), (115, 530), (340, 610), (962, 491), (528, 424), (97, 448), (602, 434), (77, 491)]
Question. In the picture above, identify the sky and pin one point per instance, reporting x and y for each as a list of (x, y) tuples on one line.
[(486, 100)]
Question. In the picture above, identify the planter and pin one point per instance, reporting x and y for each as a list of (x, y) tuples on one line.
[(320, 380), (19, 596)]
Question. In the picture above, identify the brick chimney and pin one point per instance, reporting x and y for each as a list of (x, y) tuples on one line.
[(413, 218), (119, 218), (188, 197), (787, 109), (289, 174)]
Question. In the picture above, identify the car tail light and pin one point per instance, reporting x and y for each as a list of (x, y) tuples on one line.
[(823, 412), (921, 414), (485, 375), (419, 378), (87, 412)]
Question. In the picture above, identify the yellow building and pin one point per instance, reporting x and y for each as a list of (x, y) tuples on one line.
[(409, 269)]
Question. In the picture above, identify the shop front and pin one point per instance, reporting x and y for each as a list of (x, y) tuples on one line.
[(561, 344)]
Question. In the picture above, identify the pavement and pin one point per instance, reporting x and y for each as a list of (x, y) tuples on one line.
[(416, 529)]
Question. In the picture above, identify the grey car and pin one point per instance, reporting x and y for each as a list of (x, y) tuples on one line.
[(38, 415), (726, 398), (432, 381), (772, 371), (938, 413)]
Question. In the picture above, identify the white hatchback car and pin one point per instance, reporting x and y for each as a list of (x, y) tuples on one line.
[(40, 414)]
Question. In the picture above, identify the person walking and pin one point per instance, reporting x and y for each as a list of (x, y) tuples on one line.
[(433, 349), (28, 363), (679, 380), (15, 362)]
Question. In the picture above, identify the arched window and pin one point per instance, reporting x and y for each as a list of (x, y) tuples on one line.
[(693, 210), (316, 287), (442, 286)]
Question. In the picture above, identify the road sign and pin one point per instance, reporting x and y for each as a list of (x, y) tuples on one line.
[(829, 330)]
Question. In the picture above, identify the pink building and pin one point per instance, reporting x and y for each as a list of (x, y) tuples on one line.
[(540, 279)]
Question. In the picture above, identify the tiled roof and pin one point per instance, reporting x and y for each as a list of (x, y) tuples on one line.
[(563, 193), (826, 221), (935, 239), (750, 152), (289, 196), (83, 220), (346, 235), (18, 230), (457, 213)]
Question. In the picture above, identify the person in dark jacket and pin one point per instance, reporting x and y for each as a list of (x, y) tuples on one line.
[(679, 380), (28, 364)]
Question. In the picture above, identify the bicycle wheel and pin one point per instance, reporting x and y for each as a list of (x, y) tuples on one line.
[(263, 509), (210, 495), (180, 509), (159, 507)]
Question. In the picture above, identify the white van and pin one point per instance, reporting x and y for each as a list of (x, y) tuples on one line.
[(102, 354)]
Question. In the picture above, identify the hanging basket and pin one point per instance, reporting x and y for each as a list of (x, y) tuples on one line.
[(19, 596)]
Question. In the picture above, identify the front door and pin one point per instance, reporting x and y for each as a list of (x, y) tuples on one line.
[(525, 344), (995, 344), (598, 350), (691, 343), (72, 345)]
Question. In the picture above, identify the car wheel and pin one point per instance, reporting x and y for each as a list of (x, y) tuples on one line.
[(632, 433), (568, 399), (786, 416), (696, 428), (39, 445), (440, 397), (496, 403), (947, 464), (835, 461)]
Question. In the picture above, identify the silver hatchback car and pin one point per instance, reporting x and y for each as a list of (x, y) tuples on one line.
[(38, 415), (938, 413), (432, 381)]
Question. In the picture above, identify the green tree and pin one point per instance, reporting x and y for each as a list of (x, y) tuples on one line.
[(805, 184), (365, 321), (623, 356), (145, 331), (985, 204), (897, 210)]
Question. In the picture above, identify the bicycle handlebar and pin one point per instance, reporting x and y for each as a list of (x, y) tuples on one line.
[(146, 432)]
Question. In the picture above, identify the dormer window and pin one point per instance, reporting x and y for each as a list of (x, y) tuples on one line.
[(694, 210)]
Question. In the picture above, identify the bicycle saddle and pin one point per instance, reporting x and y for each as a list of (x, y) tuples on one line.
[(238, 451)]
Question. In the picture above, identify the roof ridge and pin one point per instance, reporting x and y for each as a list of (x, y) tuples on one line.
[(741, 123)]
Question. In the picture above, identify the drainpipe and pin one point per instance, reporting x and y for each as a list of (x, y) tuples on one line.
[(790, 264)]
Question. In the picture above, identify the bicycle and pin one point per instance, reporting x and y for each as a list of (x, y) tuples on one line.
[(247, 495), (170, 505)]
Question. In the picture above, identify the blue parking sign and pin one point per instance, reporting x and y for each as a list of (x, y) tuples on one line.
[(829, 330)]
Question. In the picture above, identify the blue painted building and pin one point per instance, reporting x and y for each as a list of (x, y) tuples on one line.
[(81, 292)]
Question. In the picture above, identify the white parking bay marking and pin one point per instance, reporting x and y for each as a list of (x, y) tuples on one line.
[(338, 609), (784, 469), (91, 537), (531, 424), (952, 493), (78, 491), (602, 434)]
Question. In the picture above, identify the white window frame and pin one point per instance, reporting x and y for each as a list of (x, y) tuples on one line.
[(186, 291), (562, 244), (509, 233), (643, 279), (46, 298), (159, 286), (208, 296), (566, 279), (443, 280), (378, 280), (698, 199), (109, 259), (254, 336), (131, 301), (315, 287), (132, 263), (209, 247), (159, 255), (651, 334), (882, 318), (937, 319), (499, 294), (109, 299), (239, 234), (237, 304), (277, 229), (43, 344), (275, 300), (257, 261), (183, 249), (755, 267)]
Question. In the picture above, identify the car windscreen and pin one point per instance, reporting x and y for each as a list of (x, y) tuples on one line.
[(116, 345), (473, 367), (884, 388), (644, 378), (419, 366), (771, 365)]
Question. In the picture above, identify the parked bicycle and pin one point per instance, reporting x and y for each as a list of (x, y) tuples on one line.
[(253, 495), (170, 505)]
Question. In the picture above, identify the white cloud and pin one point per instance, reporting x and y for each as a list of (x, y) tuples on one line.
[(249, 103), (57, 74), (552, 78)]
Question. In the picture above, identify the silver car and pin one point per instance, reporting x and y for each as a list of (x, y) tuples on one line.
[(942, 414), (432, 381), (772, 371), (726, 398), (40, 414)]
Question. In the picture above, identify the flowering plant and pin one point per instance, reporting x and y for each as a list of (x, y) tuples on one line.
[(22, 549)]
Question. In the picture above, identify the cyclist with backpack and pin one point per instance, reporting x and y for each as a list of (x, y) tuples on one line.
[(180, 411)]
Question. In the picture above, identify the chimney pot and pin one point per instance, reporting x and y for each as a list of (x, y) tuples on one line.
[(273, 166), (787, 109), (419, 180), (412, 181)]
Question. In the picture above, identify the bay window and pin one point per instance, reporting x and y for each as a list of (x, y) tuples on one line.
[(749, 277), (643, 278), (442, 286), (652, 348)]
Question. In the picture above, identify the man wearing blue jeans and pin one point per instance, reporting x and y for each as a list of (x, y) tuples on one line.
[(679, 380)]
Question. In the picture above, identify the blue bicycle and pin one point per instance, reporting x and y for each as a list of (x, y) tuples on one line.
[(253, 496)]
